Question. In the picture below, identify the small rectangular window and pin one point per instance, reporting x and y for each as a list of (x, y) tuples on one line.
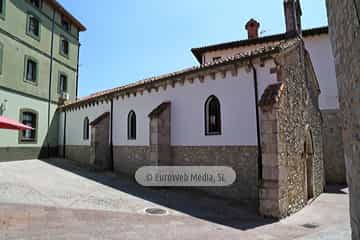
[(62, 83), (35, 3), (64, 47), (28, 118), (65, 24), (2, 8), (33, 27), (31, 70)]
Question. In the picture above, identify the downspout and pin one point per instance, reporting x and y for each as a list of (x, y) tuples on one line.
[(255, 76), (77, 72), (64, 135), (111, 133), (50, 76)]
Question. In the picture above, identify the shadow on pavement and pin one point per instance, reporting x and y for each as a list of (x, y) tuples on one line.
[(193, 203)]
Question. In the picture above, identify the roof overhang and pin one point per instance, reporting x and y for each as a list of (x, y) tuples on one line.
[(199, 52), (63, 11)]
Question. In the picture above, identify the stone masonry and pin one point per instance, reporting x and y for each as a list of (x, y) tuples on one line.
[(291, 134), (344, 27), (333, 147)]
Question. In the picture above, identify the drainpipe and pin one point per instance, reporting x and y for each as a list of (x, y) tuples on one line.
[(257, 121), (111, 133), (64, 136), (50, 76), (77, 72)]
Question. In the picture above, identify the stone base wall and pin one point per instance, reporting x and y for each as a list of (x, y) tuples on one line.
[(334, 160), (243, 159), (128, 159), (80, 154), (344, 28), (26, 153)]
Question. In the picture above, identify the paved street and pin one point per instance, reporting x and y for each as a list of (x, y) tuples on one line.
[(56, 199)]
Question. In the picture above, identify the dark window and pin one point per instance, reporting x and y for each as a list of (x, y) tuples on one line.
[(132, 126), (2, 7), (65, 24), (62, 83), (86, 129), (35, 3), (64, 47), (34, 25), (28, 118), (31, 70), (212, 116)]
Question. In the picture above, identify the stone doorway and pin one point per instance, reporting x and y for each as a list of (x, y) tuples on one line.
[(100, 154), (308, 162)]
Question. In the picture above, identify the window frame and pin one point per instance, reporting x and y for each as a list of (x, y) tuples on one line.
[(207, 120), (131, 128), (28, 32), (29, 58), (86, 124), (3, 6), (60, 47), (34, 6), (59, 83), (63, 19), (22, 140)]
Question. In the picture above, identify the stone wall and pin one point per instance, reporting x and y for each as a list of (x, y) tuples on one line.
[(26, 153), (333, 147), (243, 159), (300, 116), (78, 153), (127, 159), (291, 134), (344, 27)]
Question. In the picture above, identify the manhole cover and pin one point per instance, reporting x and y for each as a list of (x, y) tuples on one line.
[(155, 211), (310, 225)]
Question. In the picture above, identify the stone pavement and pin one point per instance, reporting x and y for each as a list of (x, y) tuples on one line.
[(56, 199)]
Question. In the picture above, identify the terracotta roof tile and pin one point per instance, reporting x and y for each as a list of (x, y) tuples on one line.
[(199, 51), (271, 49)]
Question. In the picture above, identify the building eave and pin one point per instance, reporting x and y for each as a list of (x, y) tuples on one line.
[(155, 82), (198, 52), (67, 14)]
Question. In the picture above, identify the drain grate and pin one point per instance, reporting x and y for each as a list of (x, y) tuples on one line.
[(156, 211), (310, 225)]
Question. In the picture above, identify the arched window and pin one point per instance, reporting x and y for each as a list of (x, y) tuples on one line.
[(86, 129), (132, 125), (212, 116)]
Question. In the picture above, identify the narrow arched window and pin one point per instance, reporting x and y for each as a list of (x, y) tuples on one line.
[(86, 129), (132, 125), (212, 116)]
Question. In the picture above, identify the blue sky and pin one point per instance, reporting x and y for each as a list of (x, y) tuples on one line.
[(128, 40)]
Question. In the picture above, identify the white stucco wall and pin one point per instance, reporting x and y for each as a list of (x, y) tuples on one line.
[(75, 121), (321, 55), (236, 95), (319, 48)]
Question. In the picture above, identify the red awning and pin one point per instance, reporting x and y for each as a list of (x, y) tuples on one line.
[(6, 123)]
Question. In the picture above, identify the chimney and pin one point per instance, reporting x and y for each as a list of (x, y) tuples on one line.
[(293, 15), (252, 26)]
